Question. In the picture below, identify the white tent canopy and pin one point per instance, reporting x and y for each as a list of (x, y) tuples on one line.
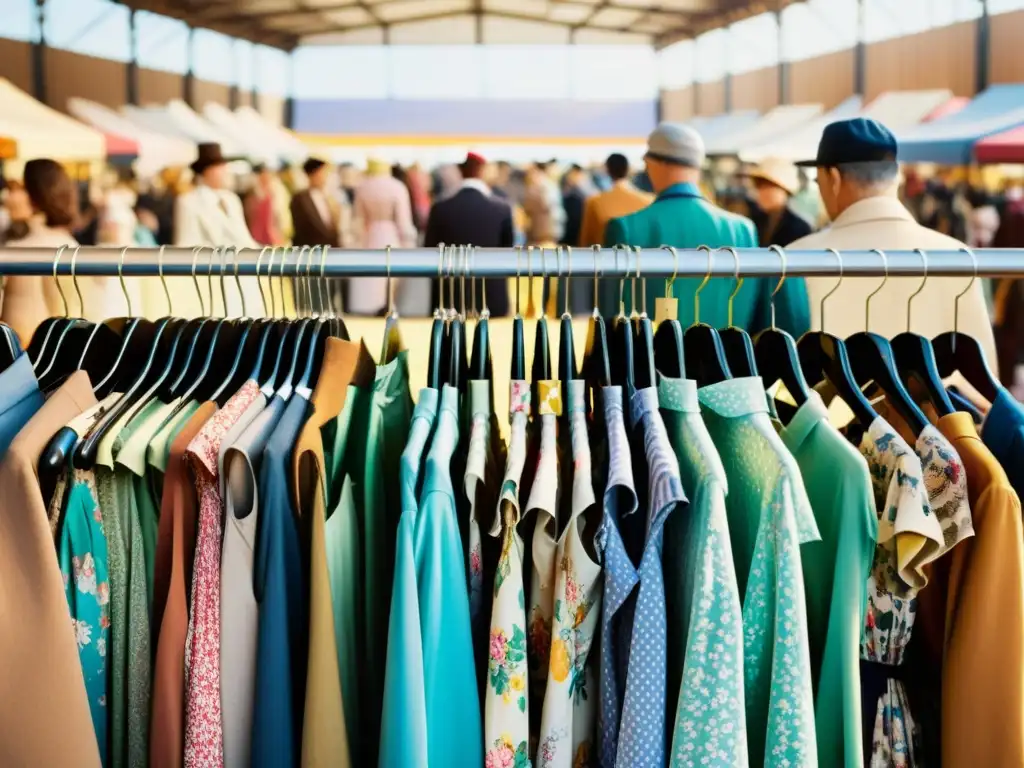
[(897, 110), (178, 119), (286, 144), (254, 147), (775, 123), (44, 132), (156, 151)]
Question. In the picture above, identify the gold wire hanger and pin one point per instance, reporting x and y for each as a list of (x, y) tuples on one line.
[(53, 321)]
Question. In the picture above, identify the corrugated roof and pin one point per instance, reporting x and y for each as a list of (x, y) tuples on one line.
[(288, 23)]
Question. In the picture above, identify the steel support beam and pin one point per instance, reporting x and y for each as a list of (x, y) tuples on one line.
[(188, 82), (39, 54), (132, 68), (983, 50)]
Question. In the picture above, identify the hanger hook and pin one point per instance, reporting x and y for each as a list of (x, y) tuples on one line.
[(568, 278), (643, 283), (74, 280), (308, 281), (782, 279), (834, 287), (390, 289), (238, 284), (910, 299), (439, 312), (163, 280), (270, 279), (259, 283), (519, 276), (209, 272), (60, 290), (622, 280), (120, 279), (707, 277), (956, 301), (323, 295), (464, 252), (737, 281), (670, 284), (195, 260), (867, 302), (596, 249), (223, 271), (485, 311)]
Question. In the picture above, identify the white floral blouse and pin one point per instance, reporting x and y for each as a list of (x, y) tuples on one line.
[(569, 715)]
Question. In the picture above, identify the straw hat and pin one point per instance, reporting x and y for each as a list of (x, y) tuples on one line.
[(778, 172)]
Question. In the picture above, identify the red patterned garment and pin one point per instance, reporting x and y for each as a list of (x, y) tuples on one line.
[(204, 738)]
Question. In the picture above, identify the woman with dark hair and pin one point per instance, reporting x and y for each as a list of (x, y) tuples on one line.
[(28, 301)]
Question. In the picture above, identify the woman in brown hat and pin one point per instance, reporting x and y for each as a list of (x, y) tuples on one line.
[(775, 182)]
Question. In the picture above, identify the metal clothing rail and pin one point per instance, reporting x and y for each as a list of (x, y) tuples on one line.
[(508, 262)]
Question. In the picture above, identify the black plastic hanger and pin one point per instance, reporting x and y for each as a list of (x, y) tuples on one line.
[(566, 346), (481, 366), (915, 358), (540, 368), (776, 352), (823, 357), (518, 366), (668, 339), (644, 375), (704, 355), (739, 347), (596, 370), (957, 352), (458, 363), (871, 360), (621, 343), (10, 346), (392, 343), (435, 377)]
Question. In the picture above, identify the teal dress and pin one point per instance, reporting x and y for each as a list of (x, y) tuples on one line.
[(682, 218), (404, 719), (83, 564)]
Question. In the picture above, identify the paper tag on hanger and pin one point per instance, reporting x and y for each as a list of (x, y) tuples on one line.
[(665, 309), (550, 394)]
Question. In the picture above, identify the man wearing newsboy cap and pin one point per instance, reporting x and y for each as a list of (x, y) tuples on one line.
[(682, 217), (858, 175)]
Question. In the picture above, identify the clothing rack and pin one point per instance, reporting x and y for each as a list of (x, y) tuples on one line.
[(461, 261)]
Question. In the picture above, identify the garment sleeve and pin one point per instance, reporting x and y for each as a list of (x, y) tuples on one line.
[(983, 668)]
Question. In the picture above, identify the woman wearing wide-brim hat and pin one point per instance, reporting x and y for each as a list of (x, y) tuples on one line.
[(775, 182)]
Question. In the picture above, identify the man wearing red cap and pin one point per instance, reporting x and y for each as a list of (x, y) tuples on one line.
[(473, 216)]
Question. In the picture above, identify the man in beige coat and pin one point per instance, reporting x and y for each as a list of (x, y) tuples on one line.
[(858, 176), (621, 200)]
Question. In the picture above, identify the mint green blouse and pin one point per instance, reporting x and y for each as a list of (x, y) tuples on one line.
[(836, 573), (769, 518), (705, 619)]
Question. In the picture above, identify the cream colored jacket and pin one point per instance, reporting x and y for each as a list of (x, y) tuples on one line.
[(884, 223)]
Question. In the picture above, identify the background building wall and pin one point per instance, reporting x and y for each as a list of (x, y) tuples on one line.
[(73, 74)]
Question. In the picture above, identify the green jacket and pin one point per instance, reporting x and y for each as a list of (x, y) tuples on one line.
[(682, 218)]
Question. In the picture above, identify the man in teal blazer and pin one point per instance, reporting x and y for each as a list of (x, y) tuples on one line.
[(681, 217)]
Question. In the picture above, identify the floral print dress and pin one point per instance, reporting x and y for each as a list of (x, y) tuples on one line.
[(917, 496), (543, 504), (82, 552), (506, 705), (569, 716)]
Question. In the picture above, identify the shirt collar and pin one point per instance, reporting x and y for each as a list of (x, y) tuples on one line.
[(1004, 419), (644, 401), (735, 397), (684, 189), (480, 397), (477, 184), (958, 426), (576, 395), (809, 415), (873, 209), (678, 395)]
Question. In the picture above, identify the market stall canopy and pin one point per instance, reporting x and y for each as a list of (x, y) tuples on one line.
[(155, 151), (288, 146), (775, 123), (951, 107), (950, 140), (801, 144), (254, 147), (720, 127), (120, 146), (1005, 147), (40, 131), (178, 119)]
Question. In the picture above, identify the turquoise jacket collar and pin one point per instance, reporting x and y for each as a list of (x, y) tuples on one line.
[(685, 189)]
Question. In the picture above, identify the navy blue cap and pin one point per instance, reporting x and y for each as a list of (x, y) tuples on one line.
[(859, 140)]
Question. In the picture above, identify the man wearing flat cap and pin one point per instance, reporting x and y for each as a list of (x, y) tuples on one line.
[(682, 217), (858, 176)]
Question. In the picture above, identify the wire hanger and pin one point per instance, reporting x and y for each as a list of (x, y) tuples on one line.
[(915, 358), (644, 374), (739, 348), (871, 359), (668, 339), (621, 341), (541, 368), (705, 358), (596, 368), (518, 366), (957, 352), (776, 351), (50, 359), (392, 342), (41, 336)]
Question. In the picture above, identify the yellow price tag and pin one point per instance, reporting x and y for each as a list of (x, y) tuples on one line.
[(550, 393), (665, 309)]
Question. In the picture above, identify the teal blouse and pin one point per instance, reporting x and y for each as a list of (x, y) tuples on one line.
[(769, 518), (83, 563)]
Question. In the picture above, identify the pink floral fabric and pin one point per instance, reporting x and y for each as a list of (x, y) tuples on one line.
[(204, 742)]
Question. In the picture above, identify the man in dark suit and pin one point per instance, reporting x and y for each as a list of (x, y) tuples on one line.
[(314, 214), (473, 216)]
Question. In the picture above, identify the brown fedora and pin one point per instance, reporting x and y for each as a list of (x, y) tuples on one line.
[(209, 155)]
